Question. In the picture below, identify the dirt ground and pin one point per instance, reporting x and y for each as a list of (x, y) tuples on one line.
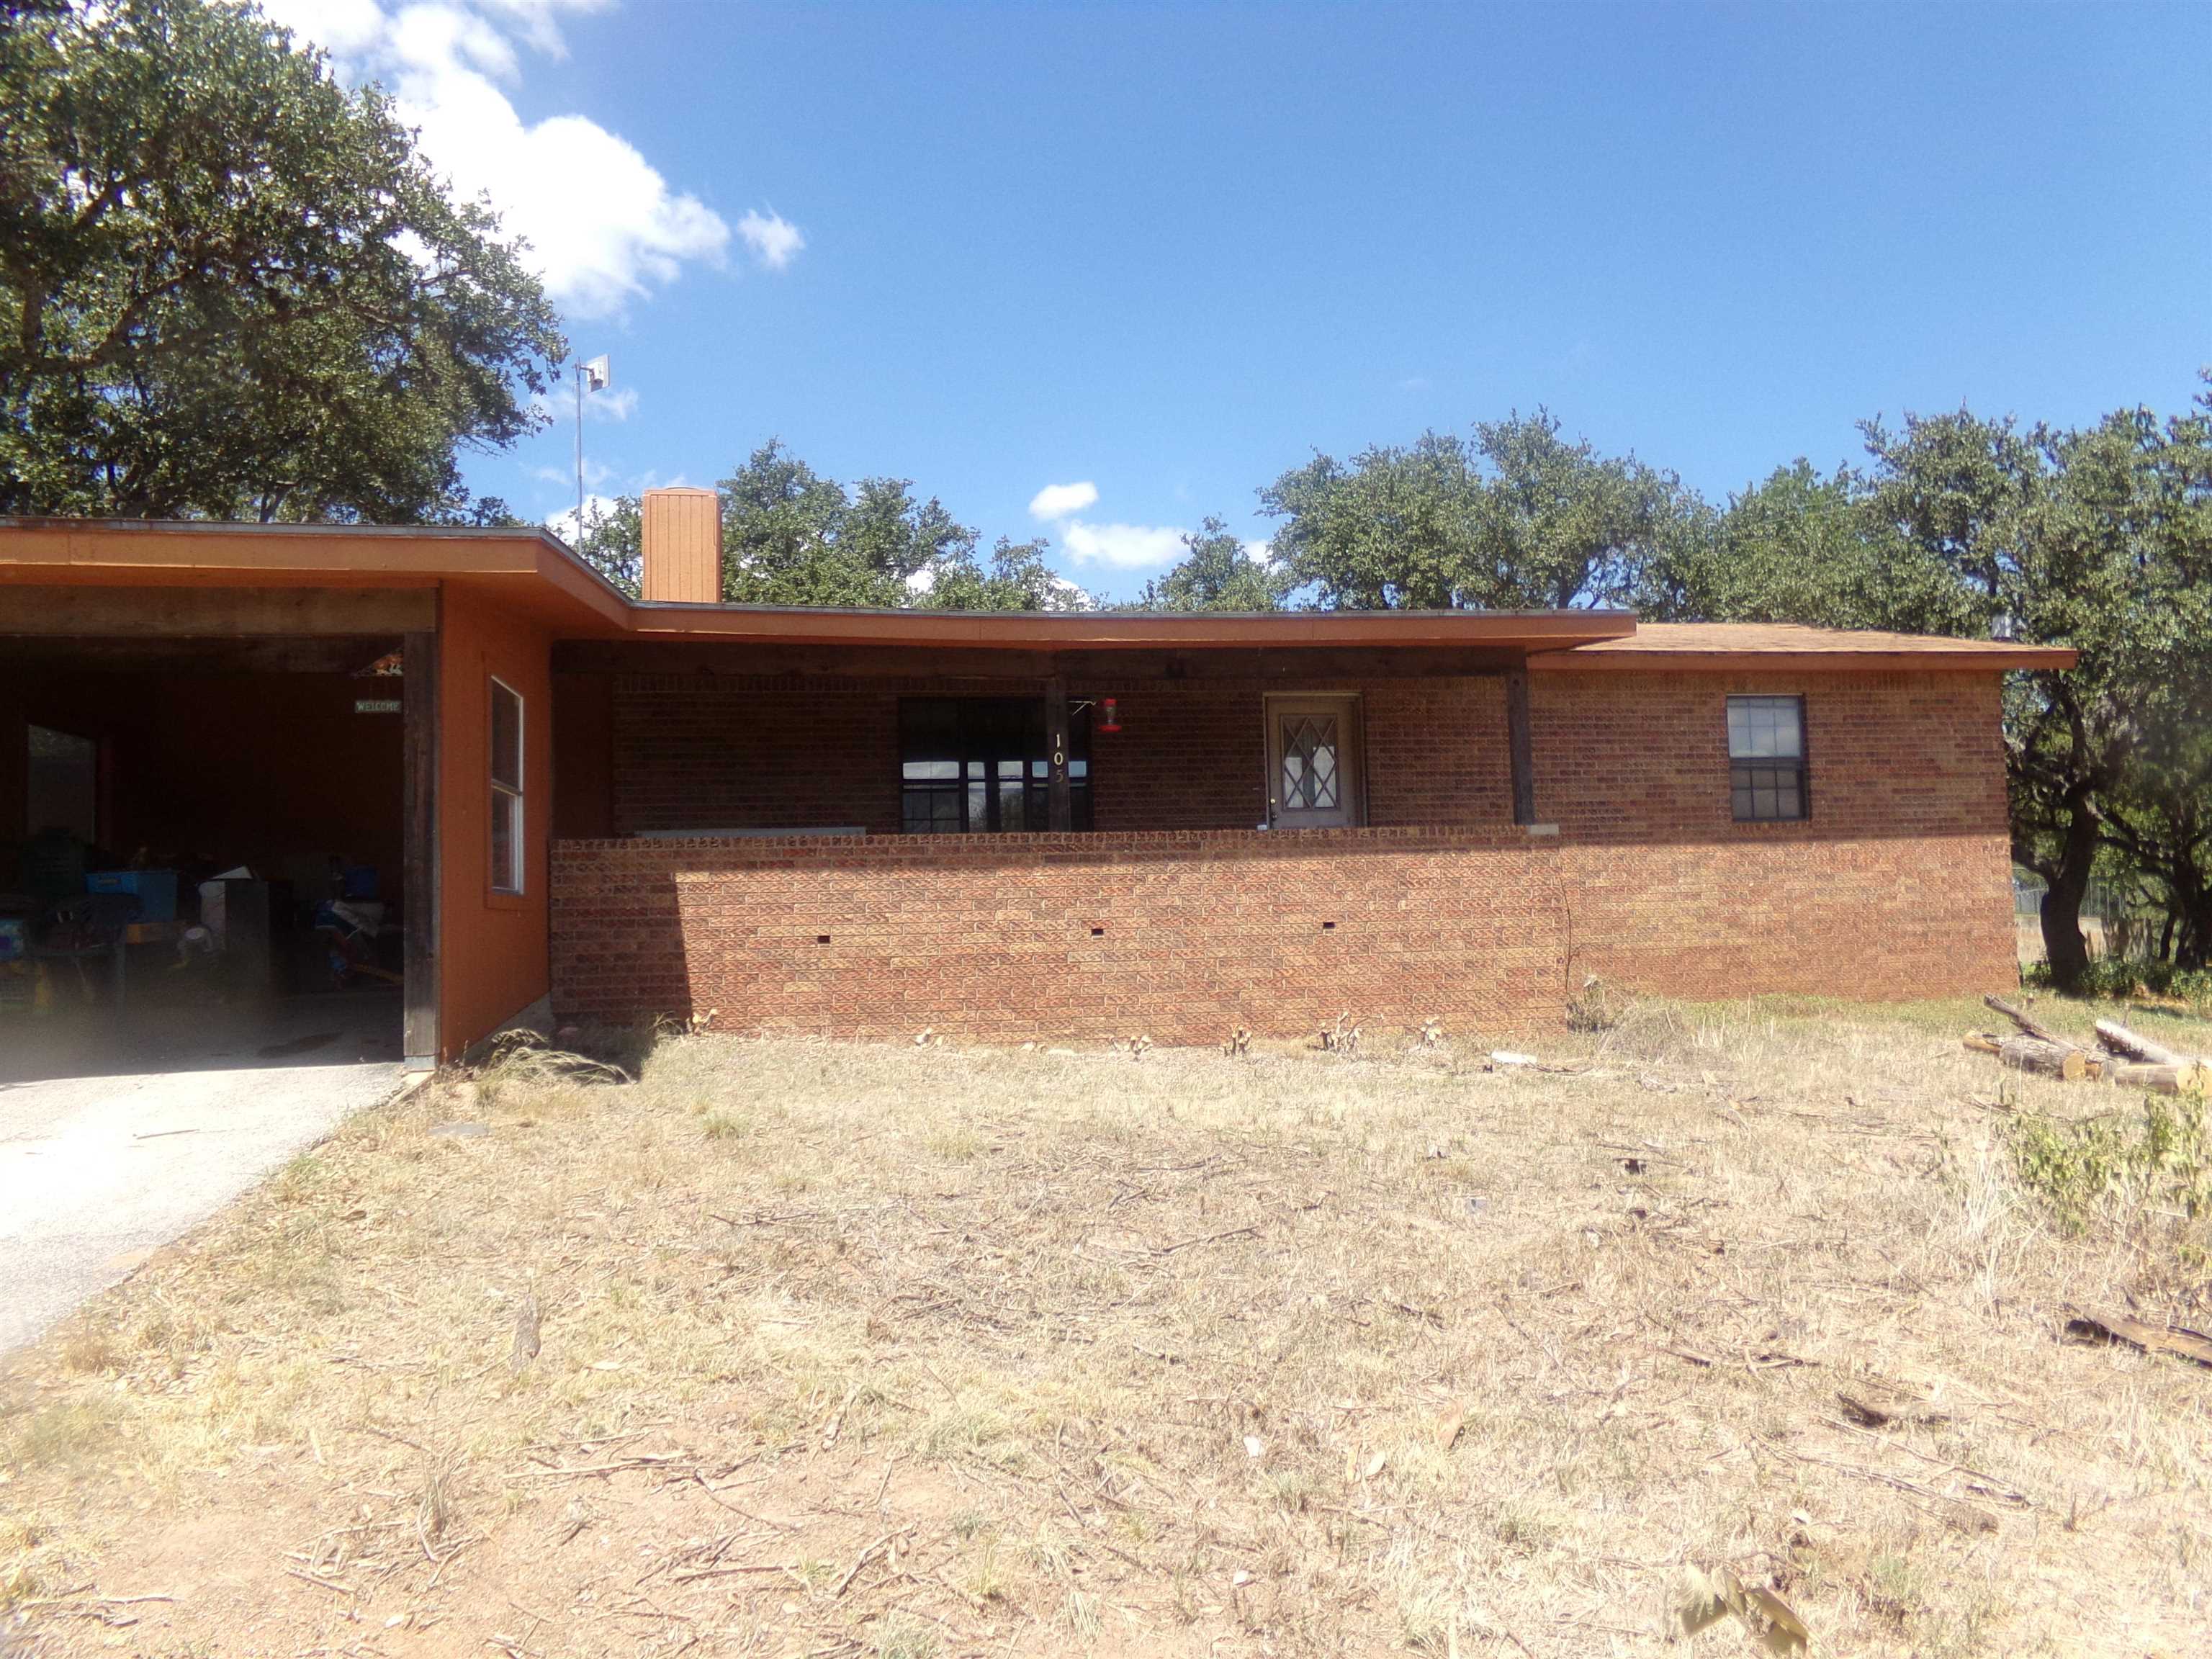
[(931, 1350)]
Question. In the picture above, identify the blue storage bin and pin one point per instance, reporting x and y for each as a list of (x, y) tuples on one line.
[(156, 889)]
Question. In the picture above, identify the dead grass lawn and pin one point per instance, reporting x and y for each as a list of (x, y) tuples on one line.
[(929, 1351)]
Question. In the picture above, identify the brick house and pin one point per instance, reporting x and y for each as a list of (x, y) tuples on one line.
[(1059, 826)]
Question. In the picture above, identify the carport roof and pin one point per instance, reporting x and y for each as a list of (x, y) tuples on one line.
[(532, 572)]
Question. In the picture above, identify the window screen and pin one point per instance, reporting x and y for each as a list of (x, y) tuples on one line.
[(983, 764), (1766, 758), (506, 843)]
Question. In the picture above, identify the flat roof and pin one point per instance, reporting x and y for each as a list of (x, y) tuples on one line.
[(535, 572), (1108, 630), (1681, 646)]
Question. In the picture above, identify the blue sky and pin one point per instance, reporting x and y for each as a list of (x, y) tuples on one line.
[(1170, 252)]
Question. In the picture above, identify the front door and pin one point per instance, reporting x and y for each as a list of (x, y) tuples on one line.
[(1313, 762)]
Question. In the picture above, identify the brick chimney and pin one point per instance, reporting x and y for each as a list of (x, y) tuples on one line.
[(683, 537)]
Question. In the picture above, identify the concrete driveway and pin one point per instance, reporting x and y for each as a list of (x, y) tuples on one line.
[(98, 1167)]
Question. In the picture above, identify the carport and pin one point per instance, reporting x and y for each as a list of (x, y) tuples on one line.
[(347, 711), (158, 737)]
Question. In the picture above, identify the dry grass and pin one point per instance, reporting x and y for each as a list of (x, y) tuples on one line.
[(930, 1351)]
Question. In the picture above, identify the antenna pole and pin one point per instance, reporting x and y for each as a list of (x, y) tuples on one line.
[(580, 455)]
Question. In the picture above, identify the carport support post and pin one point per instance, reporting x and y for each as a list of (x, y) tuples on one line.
[(1061, 808), (419, 851), (1520, 746)]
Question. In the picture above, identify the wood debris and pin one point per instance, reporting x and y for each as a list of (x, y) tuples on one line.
[(2175, 1339), (1710, 1598), (2124, 1058)]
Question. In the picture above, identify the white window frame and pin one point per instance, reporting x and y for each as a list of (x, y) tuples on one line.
[(512, 881)]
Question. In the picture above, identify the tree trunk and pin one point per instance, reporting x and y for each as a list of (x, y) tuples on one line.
[(2136, 1046), (2027, 1054), (2064, 946), (2069, 878), (2190, 1077), (2193, 948)]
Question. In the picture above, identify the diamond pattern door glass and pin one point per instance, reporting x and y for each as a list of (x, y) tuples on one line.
[(1310, 780)]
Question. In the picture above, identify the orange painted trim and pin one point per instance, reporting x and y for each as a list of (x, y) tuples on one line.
[(534, 576), (1989, 659), (1091, 630)]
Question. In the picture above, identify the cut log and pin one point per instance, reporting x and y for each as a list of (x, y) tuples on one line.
[(2040, 1032), (1984, 1042), (2121, 1041), (2187, 1077), (2060, 1060)]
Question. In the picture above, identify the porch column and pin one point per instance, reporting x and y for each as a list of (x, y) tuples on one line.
[(1520, 746), (1055, 731), (419, 846)]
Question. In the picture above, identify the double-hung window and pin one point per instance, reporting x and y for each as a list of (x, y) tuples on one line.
[(507, 839), (1766, 759)]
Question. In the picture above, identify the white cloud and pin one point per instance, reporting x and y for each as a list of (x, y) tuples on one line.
[(564, 524), (774, 240), (1124, 546), (1061, 501), (1259, 552), (603, 224)]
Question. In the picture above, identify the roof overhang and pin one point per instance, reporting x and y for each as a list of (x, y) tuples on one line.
[(531, 573), (528, 570), (1143, 630), (1650, 652)]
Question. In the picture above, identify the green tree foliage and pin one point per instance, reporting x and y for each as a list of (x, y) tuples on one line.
[(1796, 547), (612, 540), (1519, 519), (792, 537), (1216, 574), (231, 287)]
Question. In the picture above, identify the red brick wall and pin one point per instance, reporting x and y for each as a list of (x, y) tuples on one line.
[(727, 752), (993, 936), (721, 752), (1898, 887), (1644, 756)]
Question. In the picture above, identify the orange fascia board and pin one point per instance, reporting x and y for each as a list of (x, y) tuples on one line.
[(1995, 659), (1107, 631), (533, 573), (1710, 647), (527, 569)]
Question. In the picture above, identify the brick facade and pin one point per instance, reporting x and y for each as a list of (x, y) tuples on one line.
[(731, 753), (1178, 920)]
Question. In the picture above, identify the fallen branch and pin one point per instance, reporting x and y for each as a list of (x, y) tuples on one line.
[(2134, 1045), (2032, 1028), (2044, 1057), (2150, 1339), (2190, 1077)]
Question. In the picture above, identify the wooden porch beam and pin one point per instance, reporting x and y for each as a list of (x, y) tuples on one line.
[(1084, 670), (265, 655), (33, 611), (1060, 810), (419, 846)]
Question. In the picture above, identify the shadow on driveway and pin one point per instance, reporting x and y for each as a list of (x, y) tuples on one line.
[(112, 1145)]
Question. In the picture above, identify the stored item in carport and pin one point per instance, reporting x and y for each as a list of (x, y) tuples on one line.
[(156, 889)]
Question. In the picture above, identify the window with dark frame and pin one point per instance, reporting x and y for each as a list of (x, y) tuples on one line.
[(1766, 759), (984, 765), (507, 839)]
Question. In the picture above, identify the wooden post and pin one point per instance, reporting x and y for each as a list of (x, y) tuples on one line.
[(419, 845), (1055, 735), (1521, 744)]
